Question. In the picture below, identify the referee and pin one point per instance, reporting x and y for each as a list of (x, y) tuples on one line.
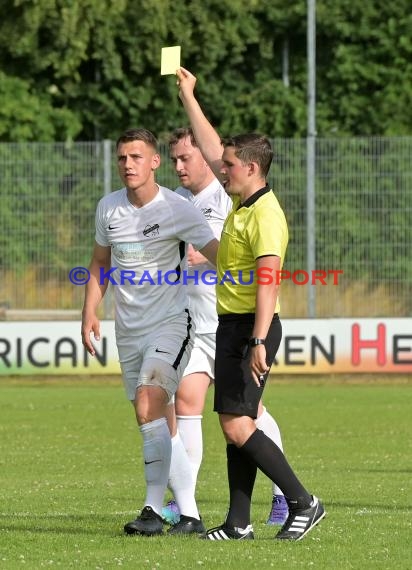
[(253, 242)]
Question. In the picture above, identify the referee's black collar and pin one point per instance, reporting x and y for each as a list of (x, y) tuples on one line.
[(252, 199)]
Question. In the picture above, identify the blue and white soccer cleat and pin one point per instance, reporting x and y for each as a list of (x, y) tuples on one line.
[(171, 513), (279, 511)]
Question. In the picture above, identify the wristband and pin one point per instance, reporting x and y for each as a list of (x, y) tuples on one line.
[(255, 341)]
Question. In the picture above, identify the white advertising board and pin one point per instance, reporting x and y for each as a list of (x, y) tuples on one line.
[(318, 346)]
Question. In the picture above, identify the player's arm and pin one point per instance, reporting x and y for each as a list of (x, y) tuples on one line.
[(266, 296), (94, 293), (206, 137), (194, 257), (210, 250)]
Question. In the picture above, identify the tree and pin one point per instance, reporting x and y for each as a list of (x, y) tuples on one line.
[(86, 69)]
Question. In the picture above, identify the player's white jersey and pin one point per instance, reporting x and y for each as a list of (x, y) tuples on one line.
[(148, 254), (214, 204)]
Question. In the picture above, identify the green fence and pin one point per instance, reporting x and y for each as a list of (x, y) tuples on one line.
[(363, 221)]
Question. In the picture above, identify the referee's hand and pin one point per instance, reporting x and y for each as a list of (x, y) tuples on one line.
[(258, 365)]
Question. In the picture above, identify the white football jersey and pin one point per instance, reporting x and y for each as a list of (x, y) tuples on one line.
[(148, 256), (214, 204)]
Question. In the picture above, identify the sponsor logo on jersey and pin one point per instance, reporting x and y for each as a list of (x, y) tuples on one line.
[(207, 212), (151, 230)]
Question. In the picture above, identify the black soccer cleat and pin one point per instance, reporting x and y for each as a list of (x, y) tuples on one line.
[(224, 532), (148, 523), (187, 525), (301, 521)]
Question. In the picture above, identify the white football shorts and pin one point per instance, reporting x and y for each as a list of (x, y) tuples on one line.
[(158, 358), (202, 358)]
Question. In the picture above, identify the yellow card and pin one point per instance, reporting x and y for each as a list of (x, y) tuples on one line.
[(170, 60)]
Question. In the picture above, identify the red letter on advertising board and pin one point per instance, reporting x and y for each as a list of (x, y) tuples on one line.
[(379, 345)]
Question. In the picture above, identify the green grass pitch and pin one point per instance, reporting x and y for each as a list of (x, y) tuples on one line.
[(71, 476)]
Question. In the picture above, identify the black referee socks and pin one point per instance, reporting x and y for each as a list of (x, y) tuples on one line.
[(270, 460)]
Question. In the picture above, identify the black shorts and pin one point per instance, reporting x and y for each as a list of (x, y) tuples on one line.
[(235, 390)]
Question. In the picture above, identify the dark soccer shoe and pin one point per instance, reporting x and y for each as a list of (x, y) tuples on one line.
[(148, 523), (224, 532), (187, 525), (301, 521)]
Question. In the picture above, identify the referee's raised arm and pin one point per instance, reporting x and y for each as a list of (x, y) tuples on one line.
[(206, 137)]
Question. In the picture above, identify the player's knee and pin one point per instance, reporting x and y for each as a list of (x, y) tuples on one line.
[(237, 430), (150, 403)]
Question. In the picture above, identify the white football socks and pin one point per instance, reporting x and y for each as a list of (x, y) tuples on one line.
[(157, 451), (180, 479), (190, 429)]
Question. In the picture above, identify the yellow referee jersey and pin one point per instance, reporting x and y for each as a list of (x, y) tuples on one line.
[(255, 229)]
